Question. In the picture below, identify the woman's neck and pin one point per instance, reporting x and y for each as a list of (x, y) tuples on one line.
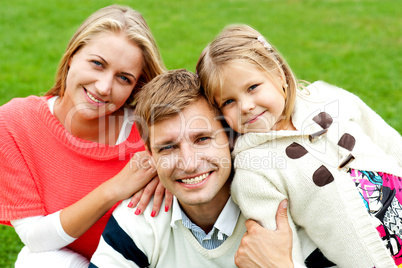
[(103, 130)]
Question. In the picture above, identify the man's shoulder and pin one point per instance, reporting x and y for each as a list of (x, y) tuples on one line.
[(143, 225)]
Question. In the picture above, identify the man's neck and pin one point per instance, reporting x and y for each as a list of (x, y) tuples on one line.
[(205, 215)]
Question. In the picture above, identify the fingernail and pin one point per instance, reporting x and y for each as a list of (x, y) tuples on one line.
[(166, 208), (153, 213), (137, 212), (285, 204), (130, 204)]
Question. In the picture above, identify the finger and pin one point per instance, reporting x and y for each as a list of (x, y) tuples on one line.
[(158, 198), (282, 216), (147, 195), (168, 200), (250, 224), (142, 160), (135, 199)]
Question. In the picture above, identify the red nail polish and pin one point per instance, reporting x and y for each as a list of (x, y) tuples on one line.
[(137, 212), (130, 204), (153, 213), (166, 208)]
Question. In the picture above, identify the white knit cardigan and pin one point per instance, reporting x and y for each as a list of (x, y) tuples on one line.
[(324, 204)]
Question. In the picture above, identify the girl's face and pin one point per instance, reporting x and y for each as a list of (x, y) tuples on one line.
[(101, 76), (250, 100)]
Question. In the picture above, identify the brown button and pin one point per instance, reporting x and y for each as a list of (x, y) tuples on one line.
[(323, 119), (295, 151), (322, 176), (347, 141)]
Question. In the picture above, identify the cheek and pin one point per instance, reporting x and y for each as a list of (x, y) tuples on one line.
[(231, 117)]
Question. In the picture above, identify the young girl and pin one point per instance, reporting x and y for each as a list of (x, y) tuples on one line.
[(336, 160)]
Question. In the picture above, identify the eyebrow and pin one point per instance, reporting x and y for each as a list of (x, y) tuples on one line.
[(193, 135), (125, 73)]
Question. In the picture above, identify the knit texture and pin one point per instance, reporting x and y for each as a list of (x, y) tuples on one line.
[(323, 200), (43, 168)]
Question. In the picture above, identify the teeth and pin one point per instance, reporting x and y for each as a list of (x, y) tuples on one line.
[(92, 97), (196, 179)]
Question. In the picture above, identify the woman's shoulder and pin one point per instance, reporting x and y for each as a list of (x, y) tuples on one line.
[(22, 106)]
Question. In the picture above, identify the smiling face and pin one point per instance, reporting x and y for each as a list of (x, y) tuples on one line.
[(250, 101), (102, 75), (191, 154)]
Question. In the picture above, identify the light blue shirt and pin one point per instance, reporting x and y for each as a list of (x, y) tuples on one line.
[(222, 229)]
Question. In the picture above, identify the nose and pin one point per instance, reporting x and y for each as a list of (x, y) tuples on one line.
[(247, 104), (104, 84), (188, 161)]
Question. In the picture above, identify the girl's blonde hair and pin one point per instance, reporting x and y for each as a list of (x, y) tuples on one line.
[(243, 43), (113, 18)]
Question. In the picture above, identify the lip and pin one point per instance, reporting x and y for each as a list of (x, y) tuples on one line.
[(198, 180), (92, 98), (255, 118)]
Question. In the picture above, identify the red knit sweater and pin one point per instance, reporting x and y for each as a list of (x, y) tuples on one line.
[(43, 168)]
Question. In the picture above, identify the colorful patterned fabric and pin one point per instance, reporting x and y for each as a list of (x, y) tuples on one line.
[(382, 196)]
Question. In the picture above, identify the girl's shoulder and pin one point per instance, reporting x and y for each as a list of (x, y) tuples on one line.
[(321, 95), (321, 90)]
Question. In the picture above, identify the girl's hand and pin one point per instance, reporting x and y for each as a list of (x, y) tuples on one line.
[(142, 197)]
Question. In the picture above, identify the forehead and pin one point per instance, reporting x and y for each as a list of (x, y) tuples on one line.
[(195, 119)]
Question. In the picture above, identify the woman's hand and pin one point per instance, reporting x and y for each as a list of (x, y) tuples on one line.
[(261, 247), (142, 162), (142, 197), (137, 174)]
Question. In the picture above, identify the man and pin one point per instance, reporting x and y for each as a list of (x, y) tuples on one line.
[(190, 150)]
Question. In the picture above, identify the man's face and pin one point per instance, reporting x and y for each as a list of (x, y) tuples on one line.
[(191, 153)]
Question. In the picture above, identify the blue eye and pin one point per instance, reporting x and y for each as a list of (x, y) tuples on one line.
[(204, 138), (97, 63), (252, 87), (167, 147), (227, 102), (124, 78)]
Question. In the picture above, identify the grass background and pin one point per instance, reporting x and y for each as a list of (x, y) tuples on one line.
[(356, 45)]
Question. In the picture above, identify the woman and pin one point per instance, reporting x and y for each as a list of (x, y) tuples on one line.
[(65, 157)]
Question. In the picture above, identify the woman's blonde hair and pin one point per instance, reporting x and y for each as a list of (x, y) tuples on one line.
[(113, 18), (243, 43)]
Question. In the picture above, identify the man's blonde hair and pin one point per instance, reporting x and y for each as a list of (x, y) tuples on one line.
[(243, 43), (164, 97)]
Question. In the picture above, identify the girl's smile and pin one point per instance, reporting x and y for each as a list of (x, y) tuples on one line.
[(251, 100)]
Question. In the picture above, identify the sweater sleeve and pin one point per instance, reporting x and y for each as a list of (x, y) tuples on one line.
[(378, 130), (259, 199), (42, 233), (19, 192)]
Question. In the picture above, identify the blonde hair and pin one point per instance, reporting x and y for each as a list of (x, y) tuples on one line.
[(164, 97), (113, 18), (243, 43)]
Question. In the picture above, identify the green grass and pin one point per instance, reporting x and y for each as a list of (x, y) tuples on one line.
[(353, 44)]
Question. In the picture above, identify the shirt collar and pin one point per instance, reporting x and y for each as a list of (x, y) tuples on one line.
[(225, 223)]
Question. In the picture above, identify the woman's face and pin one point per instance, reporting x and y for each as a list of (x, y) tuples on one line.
[(101, 76)]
